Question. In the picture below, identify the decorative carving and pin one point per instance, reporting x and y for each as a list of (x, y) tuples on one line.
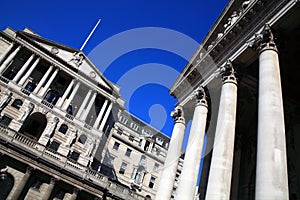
[(5, 98), (27, 112), (178, 114), (200, 96), (228, 73), (77, 58), (90, 147), (264, 40), (52, 127), (72, 137)]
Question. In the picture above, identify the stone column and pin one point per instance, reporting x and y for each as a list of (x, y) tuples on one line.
[(6, 52), (83, 104), (10, 57), (69, 100), (191, 164), (74, 194), (168, 175), (23, 68), (106, 116), (66, 93), (48, 192), (22, 183), (219, 180), (44, 89), (43, 80), (89, 106), (25, 77), (100, 115), (271, 167)]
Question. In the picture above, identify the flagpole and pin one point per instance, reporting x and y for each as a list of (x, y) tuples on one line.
[(87, 39)]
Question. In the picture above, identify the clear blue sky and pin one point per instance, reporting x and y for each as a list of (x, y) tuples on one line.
[(69, 23)]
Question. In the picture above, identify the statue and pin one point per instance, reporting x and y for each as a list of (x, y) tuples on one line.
[(72, 137), (90, 147), (52, 127), (27, 112), (77, 58), (5, 98)]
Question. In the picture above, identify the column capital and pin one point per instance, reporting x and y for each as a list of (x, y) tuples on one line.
[(178, 115), (200, 96), (29, 170), (264, 40), (228, 73), (53, 180)]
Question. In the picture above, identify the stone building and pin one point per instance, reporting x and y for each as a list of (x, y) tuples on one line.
[(241, 92), (59, 126)]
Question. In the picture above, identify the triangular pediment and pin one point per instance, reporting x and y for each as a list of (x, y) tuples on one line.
[(73, 57)]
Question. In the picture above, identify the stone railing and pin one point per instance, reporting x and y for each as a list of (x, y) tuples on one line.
[(29, 145)]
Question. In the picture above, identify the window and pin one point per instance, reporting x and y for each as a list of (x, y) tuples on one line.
[(52, 97), (156, 166), (111, 160), (128, 152), (120, 131), (123, 168), (116, 146), (17, 103), (30, 86), (54, 145), (63, 128), (82, 139), (173, 193), (5, 121), (152, 181), (143, 159), (74, 156), (70, 110), (177, 177)]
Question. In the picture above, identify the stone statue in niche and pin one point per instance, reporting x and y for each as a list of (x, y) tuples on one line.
[(90, 147), (52, 127), (77, 58), (72, 137), (5, 98), (27, 112)]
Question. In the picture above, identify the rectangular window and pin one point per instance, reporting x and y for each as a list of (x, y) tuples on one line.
[(120, 131), (152, 181), (156, 166), (54, 146), (5, 121), (74, 156), (131, 138), (123, 168), (116, 146), (128, 152), (111, 161)]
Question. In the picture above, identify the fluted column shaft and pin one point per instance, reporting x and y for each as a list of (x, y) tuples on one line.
[(22, 184), (168, 175), (27, 74), (10, 57), (219, 180), (100, 115), (66, 93), (69, 100), (106, 116), (44, 89), (43, 80), (271, 168), (83, 104), (23, 68), (89, 106), (191, 164)]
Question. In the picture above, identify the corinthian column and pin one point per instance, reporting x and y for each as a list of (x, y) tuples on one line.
[(6, 52), (271, 168), (219, 180), (170, 167), (23, 68), (48, 192), (10, 58), (191, 164)]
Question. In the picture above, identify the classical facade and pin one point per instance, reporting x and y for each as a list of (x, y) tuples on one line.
[(240, 89), (60, 128)]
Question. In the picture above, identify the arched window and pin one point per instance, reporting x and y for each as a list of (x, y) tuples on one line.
[(63, 128), (82, 139), (6, 184), (34, 125), (52, 97), (17, 103)]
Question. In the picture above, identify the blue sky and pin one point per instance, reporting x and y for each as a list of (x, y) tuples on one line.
[(69, 23)]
